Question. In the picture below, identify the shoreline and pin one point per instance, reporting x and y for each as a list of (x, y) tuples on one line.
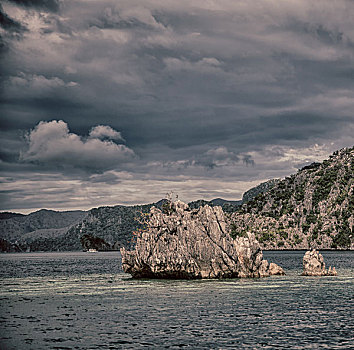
[(111, 251)]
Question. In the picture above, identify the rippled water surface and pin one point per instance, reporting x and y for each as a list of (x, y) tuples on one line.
[(84, 301)]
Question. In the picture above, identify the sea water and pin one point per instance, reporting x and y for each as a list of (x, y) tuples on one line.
[(84, 301)]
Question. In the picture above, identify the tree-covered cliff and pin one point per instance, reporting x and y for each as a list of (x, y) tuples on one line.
[(313, 208), (112, 224)]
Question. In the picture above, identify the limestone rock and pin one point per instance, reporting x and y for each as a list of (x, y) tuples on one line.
[(314, 265), (274, 269), (192, 244)]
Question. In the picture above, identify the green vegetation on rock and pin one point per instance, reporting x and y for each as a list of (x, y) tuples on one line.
[(313, 208)]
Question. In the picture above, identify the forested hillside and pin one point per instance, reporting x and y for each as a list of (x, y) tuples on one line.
[(313, 208)]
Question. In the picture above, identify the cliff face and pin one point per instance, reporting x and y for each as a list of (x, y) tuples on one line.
[(311, 209), (185, 243)]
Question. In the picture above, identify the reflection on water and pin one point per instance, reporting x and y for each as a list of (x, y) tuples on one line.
[(85, 301)]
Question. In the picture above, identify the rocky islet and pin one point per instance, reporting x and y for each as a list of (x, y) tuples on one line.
[(314, 265), (179, 242)]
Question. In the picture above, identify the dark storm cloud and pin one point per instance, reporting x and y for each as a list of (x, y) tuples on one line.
[(9, 24), (11, 142), (218, 157), (200, 91), (10, 30), (49, 5)]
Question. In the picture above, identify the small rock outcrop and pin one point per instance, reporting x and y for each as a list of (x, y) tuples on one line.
[(191, 244), (314, 265)]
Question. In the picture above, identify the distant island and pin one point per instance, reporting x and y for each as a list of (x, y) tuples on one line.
[(310, 209)]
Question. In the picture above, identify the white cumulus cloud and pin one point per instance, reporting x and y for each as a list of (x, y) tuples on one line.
[(105, 131), (51, 143)]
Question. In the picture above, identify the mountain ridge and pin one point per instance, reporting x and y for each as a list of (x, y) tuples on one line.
[(283, 214)]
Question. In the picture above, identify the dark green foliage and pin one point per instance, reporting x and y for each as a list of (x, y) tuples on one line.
[(266, 236), (167, 208), (305, 227), (284, 208), (324, 184), (283, 234), (236, 232), (197, 204), (312, 166), (351, 204), (6, 246), (342, 240), (297, 239), (300, 193), (230, 208), (227, 206), (326, 163), (314, 235), (283, 199), (341, 197), (280, 244), (93, 242), (311, 218), (328, 232), (344, 237), (271, 214)]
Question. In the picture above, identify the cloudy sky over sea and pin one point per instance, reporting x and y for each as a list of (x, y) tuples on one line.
[(119, 102)]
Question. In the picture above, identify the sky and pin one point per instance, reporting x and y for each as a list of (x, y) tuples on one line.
[(120, 102)]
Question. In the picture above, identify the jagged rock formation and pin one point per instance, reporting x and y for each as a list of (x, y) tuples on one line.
[(311, 209), (190, 244), (314, 265)]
